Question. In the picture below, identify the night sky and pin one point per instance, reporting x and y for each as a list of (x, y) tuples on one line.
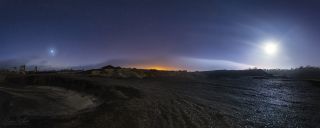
[(181, 34)]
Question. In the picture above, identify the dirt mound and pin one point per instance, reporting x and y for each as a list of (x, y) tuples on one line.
[(119, 73), (40, 100), (47, 101), (71, 82)]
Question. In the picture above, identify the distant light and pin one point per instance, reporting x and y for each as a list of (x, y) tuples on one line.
[(271, 48), (156, 67)]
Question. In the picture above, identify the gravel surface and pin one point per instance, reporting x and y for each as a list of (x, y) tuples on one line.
[(165, 103)]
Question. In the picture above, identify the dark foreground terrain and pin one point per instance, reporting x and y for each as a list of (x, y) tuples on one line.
[(81, 101)]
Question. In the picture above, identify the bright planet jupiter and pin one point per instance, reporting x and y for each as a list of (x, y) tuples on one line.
[(52, 52)]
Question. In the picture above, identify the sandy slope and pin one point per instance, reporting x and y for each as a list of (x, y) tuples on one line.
[(42, 101)]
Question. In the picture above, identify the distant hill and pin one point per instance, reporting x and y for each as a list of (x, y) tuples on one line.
[(119, 72)]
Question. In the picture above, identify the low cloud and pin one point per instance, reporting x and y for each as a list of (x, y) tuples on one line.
[(200, 64), (8, 63), (30, 62)]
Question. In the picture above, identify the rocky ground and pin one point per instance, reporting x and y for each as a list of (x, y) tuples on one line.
[(80, 101)]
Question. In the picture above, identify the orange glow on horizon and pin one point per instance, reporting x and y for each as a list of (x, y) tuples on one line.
[(157, 67)]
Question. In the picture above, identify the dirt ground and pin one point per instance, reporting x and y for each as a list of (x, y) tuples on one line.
[(63, 101)]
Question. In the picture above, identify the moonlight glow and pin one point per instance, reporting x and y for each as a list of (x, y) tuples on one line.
[(270, 48)]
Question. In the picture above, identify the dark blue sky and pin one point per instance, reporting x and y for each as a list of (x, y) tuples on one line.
[(184, 34)]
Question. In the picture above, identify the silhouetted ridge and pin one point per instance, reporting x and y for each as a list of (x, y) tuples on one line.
[(110, 67)]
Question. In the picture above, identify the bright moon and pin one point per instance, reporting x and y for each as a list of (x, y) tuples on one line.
[(270, 48)]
